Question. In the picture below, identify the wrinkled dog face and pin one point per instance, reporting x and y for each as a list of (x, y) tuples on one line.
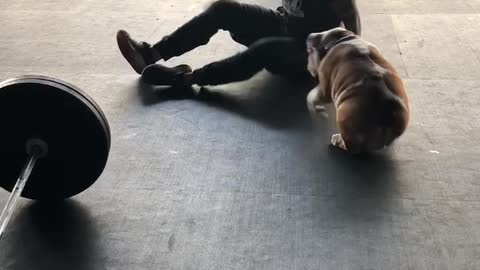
[(318, 45)]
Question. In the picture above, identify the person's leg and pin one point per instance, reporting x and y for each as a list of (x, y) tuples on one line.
[(249, 22), (279, 55)]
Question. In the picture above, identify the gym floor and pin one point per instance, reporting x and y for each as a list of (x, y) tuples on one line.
[(241, 181)]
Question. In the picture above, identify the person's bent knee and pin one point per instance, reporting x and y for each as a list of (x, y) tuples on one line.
[(224, 7)]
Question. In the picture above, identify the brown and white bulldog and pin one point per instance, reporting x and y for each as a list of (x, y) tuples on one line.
[(369, 97)]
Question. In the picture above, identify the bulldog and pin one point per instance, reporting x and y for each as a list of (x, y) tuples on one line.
[(369, 97)]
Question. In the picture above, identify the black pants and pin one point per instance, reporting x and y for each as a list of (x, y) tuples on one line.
[(275, 42)]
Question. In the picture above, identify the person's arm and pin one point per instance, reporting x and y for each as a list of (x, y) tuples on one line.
[(347, 10)]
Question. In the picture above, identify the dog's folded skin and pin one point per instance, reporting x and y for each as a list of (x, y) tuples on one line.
[(369, 97)]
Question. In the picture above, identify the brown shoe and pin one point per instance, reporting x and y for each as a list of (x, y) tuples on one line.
[(138, 54), (157, 74)]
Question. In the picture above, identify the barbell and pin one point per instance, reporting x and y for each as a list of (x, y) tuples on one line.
[(54, 140)]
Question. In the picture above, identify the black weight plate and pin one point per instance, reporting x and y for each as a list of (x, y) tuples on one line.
[(68, 120)]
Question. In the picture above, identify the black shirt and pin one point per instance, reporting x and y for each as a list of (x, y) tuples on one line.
[(317, 15)]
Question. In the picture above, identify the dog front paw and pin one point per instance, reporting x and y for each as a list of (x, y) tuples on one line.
[(338, 142)]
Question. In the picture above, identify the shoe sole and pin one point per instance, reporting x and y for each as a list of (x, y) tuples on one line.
[(133, 56)]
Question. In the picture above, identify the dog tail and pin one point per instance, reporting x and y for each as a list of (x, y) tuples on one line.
[(389, 112), (394, 116)]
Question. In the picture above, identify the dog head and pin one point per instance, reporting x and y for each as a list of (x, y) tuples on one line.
[(318, 45), (368, 124)]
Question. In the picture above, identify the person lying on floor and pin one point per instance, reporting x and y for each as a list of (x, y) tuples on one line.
[(276, 41)]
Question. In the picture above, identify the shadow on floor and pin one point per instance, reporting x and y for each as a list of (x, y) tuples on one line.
[(268, 99), (280, 104), (363, 185), (51, 236)]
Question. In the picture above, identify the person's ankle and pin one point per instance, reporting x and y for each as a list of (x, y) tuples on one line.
[(187, 79), (155, 54)]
